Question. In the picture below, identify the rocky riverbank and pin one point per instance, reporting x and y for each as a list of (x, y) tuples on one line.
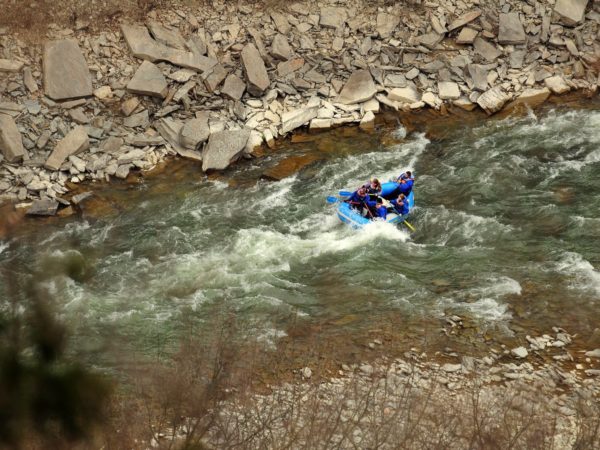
[(214, 83)]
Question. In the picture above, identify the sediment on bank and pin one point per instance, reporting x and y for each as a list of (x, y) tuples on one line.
[(213, 83)]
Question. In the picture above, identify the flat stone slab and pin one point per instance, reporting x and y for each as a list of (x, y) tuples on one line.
[(297, 117), (194, 132), (571, 12), (280, 48), (8, 65), (408, 94), (333, 17), (529, 98), (448, 90), (464, 19), (223, 148), (144, 47), (466, 36), (256, 72), (66, 74), (386, 24), (44, 207), (148, 80), (234, 87), (73, 143), (493, 100), (557, 84), (487, 50), (359, 88), (11, 142), (286, 67), (511, 29)]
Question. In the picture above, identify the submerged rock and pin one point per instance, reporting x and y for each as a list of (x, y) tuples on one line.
[(44, 207)]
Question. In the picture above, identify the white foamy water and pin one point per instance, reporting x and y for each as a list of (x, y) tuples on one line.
[(585, 277)]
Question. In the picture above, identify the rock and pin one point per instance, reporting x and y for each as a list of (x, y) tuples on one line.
[(430, 40), (166, 36), (131, 156), (409, 94), (104, 92), (510, 29), (80, 198), (412, 74), (8, 65), (306, 372), (557, 84), (139, 120), (254, 66), (281, 22), (181, 76), (287, 67), (122, 171), (479, 76), (73, 143), (234, 87), (29, 81), (466, 36), (43, 207), (368, 121), (78, 116), (148, 80), (66, 74), (215, 77), (571, 12), (386, 24), (254, 143), (144, 47), (464, 19), (280, 48), (520, 352), (593, 353), (291, 120), (359, 88), (129, 106), (367, 369), (492, 100), (170, 130), (11, 142), (320, 124), (451, 368), (332, 17), (487, 50), (448, 90), (223, 148), (432, 100), (194, 132), (530, 98)]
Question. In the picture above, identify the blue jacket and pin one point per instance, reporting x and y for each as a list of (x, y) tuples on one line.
[(382, 212), (356, 200), (400, 209), (405, 188), (371, 190)]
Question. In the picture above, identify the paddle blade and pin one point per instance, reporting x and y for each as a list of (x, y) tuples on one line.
[(332, 199), (345, 193), (409, 226)]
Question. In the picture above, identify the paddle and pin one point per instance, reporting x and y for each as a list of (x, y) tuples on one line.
[(409, 226), (345, 193), (332, 199)]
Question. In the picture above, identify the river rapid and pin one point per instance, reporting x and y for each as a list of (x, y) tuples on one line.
[(507, 220)]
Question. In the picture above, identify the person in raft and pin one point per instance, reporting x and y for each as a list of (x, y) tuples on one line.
[(380, 210), (405, 184), (358, 199), (400, 205), (373, 188)]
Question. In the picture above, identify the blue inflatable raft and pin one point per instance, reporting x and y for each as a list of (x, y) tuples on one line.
[(353, 218)]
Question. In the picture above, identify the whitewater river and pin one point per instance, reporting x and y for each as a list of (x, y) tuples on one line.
[(507, 219)]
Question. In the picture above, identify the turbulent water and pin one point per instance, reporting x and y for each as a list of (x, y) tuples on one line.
[(507, 219)]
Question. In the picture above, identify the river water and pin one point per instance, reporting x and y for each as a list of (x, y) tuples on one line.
[(507, 219)]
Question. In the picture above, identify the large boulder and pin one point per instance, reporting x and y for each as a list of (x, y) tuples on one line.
[(11, 143), (148, 80), (511, 29), (144, 47), (256, 72), (571, 12), (223, 148), (492, 100), (295, 118), (66, 74), (359, 88), (73, 143)]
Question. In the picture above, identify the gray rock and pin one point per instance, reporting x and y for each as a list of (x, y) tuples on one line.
[(430, 40), (492, 100), (386, 24), (29, 81), (194, 132), (8, 65), (73, 143), (466, 36), (409, 94), (287, 67), (234, 87), (66, 74), (80, 198), (291, 120), (223, 148), (215, 78), (281, 23), (130, 156), (43, 207), (593, 353), (520, 352), (141, 120), (395, 80), (359, 88), (464, 19), (166, 36), (78, 116), (122, 171), (144, 47), (280, 48), (510, 29), (333, 17), (487, 50), (557, 84), (148, 80), (170, 130), (451, 368), (368, 121), (11, 142), (479, 75), (516, 58), (448, 90), (254, 66), (571, 12)]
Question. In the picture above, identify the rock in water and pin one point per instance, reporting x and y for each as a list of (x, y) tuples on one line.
[(44, 207), (511, 29), (73, 143), (492, 100), (66, 74), (223, 148), (359, 88), (11, 143), (571, 11), (148, 80), (258, 78)]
